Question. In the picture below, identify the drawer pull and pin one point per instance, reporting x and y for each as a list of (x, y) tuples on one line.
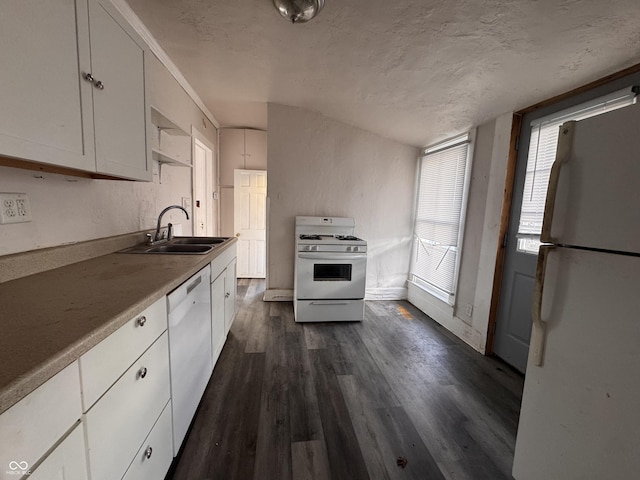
[(142, 372), (148, 452), (141, 321)]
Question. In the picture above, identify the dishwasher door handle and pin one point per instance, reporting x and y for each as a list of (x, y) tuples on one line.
[(194, 284)]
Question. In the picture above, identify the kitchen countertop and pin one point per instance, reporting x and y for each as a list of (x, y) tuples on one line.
[(49, 319)]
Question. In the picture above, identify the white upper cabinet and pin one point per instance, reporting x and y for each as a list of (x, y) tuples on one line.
[(52, 114), (47, 114), (120, 114), (245, 149)]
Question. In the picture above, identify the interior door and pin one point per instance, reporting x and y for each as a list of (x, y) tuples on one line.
[(250, 221), (203, 179)]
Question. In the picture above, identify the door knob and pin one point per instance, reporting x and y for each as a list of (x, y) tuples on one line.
[(238, 234)]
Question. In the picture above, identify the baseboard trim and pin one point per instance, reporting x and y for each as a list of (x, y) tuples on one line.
[(388, 293), (278, 295)]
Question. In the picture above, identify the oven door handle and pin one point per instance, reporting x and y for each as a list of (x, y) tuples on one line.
[(322, 256)]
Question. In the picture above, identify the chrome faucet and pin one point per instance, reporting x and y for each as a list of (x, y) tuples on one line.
[(156, 237)]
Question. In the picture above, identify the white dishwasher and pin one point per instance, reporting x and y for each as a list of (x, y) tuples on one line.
[(189, 308)]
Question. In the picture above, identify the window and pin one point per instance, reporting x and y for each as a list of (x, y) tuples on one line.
[(442, 187), (542, 153)]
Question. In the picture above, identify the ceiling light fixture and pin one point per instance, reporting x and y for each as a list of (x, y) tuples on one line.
[(298, 11)]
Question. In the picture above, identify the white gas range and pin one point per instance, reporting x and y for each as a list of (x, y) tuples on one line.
[(330, 270)]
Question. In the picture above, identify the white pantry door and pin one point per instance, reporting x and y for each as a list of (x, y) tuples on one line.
[(250, 221)]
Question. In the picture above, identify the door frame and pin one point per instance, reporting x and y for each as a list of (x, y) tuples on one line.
[(577, 95), (211, 185), (236, 207)]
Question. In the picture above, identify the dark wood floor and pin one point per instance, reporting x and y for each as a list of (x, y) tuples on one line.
[(350, 400)]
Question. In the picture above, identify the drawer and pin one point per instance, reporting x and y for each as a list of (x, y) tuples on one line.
[(101, 366), (219, 263), (66, 462), (118, 423), (155, 455), (34, 424)]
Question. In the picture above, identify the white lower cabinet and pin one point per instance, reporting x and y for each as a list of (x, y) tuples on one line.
[(118, 423), (231, 286), (66, 462), (224, 288), (218, 332), (30, 428), (111, 415), (101, 366), (154, 456)]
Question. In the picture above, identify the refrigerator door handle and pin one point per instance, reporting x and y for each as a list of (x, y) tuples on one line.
[(565, 142), (538, 331)]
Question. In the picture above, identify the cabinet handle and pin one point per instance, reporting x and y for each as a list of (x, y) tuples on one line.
[(89, 78), (142, 372), (141, 321), (226, 295), (148, 452), (99, 85)]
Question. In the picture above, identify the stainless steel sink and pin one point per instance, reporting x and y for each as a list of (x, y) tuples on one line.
[(198, 240), (172, 248), (181, 246)]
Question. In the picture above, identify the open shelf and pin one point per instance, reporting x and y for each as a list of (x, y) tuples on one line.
[(164, 158), (162, 122)]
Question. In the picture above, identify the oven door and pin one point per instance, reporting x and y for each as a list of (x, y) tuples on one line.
[(326, 275)]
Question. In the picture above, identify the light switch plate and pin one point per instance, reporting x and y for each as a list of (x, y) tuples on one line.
[(14, 208)]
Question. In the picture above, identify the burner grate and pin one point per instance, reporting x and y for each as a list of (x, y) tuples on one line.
[(309, 237)]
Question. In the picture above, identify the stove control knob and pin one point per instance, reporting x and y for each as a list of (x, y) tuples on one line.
[(355, 249), (314, 247), (348, 249)]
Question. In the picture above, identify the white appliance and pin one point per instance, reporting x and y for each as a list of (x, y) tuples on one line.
[(580, 410), (330, 270), (190, 359)]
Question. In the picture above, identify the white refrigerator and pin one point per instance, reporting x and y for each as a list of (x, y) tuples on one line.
[(580, 415)]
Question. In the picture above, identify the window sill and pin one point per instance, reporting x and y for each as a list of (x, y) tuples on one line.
[(443, 297)]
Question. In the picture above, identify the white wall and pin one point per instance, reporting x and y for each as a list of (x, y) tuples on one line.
[(319, 166), (70, 209), (481, 239)]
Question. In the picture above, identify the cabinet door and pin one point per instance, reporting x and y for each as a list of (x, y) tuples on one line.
[(231, 286), (66, 462), (154, 457), (34, 424), (119, 422), (218, 330), (117, 60), (255, 150), (231, 153), (101, 366), (46, 106)]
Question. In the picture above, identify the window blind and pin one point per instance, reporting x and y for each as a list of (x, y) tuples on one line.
[(542, 153), (438, 219)]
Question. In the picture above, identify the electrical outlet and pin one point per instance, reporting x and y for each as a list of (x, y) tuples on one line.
[(186, 203), (14, 208), (469, 310)]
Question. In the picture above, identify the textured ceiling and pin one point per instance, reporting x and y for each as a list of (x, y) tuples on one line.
[(412, 70)]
